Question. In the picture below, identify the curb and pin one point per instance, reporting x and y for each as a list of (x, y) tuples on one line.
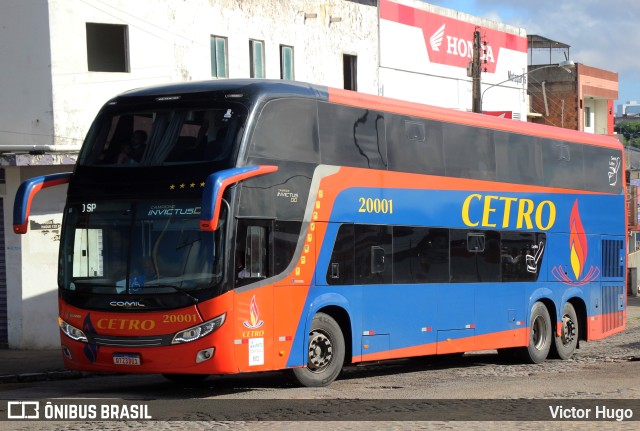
[(39, 377)]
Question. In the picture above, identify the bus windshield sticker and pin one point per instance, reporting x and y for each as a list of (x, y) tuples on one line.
[(614, 167), (172, 210), (532, 261), (256, 351)]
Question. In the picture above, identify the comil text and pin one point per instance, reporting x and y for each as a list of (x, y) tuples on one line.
[(507, 212)]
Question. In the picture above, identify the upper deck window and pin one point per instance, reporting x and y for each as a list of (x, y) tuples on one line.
[(158, 136)]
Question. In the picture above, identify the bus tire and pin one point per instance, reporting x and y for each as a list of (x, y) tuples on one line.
[(540, 335), (186, 379), (325, 353), (565, 345)]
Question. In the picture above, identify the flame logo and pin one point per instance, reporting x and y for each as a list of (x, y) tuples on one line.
[(577, 241), (579, 249), (254, 316)]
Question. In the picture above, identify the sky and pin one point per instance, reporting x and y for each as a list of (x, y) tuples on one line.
[(602, 33)]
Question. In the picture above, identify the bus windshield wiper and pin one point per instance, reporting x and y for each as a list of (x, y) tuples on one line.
[(175, 288)]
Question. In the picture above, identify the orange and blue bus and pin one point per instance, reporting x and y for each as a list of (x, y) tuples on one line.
[(251, 225)]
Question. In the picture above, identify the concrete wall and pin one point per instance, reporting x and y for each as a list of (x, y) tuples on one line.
[(562, 98), (31, 262), (596, 87), (26, 115), (169, 42)]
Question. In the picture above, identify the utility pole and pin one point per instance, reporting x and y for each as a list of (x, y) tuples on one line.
[(476, 70)]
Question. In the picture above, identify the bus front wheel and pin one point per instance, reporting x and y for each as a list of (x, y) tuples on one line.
[(325, 355), (540, 335)]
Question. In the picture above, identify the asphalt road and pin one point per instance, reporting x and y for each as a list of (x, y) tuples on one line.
[(393, 394)]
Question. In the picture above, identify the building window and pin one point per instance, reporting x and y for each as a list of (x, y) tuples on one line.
[(219, 68), (350, 65), (587, 116), (256, 56), (107, 47), (286, 62)]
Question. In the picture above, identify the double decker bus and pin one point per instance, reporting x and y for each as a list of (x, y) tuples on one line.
[(250, 225)]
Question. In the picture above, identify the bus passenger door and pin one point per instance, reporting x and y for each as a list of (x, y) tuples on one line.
[(253, 304)]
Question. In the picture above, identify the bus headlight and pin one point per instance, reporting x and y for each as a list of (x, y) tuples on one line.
[(197, 332), (71, 331)]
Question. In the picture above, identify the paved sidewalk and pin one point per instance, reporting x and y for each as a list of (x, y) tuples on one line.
[(34, 365)]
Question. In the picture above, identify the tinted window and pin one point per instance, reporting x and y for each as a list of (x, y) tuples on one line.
[(253, 259), (518, 158), (352, 136), (468, 263), (420, 255), (521, 255), (373, 261), (603, 169), (341, 267), (281, 195), (287, 130), (415, 145), (163, 134), (285, 240), (563, 165), (469, 152)]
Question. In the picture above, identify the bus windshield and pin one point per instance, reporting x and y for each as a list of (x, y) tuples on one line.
[(141, 247), (125, 136)]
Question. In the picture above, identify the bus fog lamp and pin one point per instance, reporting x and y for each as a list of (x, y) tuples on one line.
[(205, 355), (71, 331), (197, 332), (66, 352)]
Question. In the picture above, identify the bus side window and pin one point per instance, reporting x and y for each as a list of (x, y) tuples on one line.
[(352, 136), (420, 255), (255, 252), (341, 264), (521, 255), (372, 244), (475, 256)]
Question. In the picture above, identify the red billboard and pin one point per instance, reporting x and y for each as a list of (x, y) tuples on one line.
[(449, 41)]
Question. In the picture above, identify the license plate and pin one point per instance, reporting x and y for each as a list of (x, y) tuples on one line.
[(126, 359)]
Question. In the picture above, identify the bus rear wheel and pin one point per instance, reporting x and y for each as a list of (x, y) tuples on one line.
[(565, 345), (540, 335), (325, 355)]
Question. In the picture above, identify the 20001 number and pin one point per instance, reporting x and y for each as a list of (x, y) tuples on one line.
[(378, 206), (179, 318)]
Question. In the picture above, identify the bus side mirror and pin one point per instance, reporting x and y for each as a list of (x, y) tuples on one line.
[(215, 186), (25, 194)]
